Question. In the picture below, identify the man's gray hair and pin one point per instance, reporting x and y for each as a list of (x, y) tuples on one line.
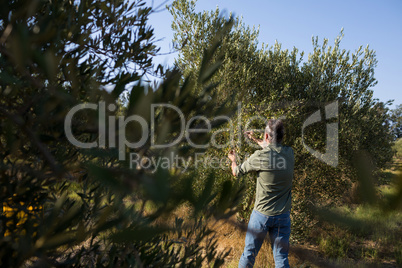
[(275, 131)]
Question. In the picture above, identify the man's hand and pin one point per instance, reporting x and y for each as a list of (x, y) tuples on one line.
[(232, 156), (250, 134)]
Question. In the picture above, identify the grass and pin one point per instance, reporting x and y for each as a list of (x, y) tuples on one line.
[(377, 246)]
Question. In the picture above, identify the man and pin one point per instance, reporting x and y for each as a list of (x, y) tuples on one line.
[(274, 166)]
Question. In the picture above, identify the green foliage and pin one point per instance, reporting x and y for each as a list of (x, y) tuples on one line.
[(396, 121), (398, 147), (89, 207), (387, 202), (272, 82)]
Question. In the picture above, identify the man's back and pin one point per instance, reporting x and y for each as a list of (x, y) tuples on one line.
[(274, 165), (274, 180)]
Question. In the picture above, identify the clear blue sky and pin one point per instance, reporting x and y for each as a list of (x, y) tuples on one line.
[(293, 24)]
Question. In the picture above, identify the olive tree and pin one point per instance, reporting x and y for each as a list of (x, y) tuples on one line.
[(325, 99)]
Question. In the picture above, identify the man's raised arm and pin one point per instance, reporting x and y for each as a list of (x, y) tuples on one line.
[(250, 134)]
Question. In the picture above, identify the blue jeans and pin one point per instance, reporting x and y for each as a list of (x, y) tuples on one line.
[(278, 228)]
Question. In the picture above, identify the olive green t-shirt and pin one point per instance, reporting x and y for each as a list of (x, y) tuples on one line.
[(274, 165)]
